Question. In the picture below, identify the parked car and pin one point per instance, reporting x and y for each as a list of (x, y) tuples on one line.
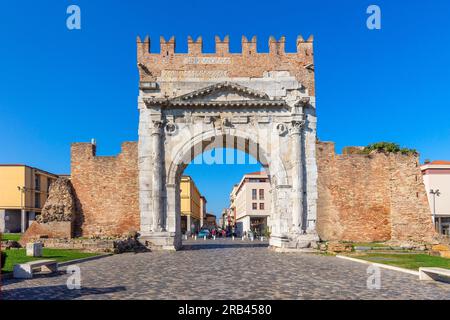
[(203, 233)]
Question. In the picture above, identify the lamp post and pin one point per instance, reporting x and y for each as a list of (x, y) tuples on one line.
[(434, 193)]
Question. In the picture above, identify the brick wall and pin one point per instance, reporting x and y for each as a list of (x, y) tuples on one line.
[(374, 197), (106, 189)]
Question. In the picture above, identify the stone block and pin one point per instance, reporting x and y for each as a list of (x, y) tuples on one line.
[(34, 249), (339, 247), (441, 247)]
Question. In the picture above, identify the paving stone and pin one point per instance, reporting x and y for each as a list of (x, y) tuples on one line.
[(225, 270)]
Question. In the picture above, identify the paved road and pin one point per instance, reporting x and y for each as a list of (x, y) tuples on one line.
[(224, 270)]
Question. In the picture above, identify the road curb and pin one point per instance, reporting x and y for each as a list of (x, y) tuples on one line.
[(381, 265), (67, 263)]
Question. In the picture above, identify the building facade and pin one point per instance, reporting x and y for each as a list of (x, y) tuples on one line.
[(251, 203), (192, 206), (23, 192), (436, 177)]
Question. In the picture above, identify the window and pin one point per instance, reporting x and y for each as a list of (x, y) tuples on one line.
[(254, 206), (261, 206), (37, 200), (253, 194), (37, 182), (261, 194)]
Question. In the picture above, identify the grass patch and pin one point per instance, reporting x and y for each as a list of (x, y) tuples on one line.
[(19, 256), (11, 236), (408, 261), (370, 244)]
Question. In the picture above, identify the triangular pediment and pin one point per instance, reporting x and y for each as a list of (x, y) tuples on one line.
[(227, 94), (223, 91)]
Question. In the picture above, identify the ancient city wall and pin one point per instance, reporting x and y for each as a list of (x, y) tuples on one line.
[(107, 190), (376, 197)]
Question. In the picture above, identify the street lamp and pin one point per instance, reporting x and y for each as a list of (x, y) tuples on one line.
[(434, 193)]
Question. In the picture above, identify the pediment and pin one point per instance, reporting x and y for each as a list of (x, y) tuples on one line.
[(227, 94), (224, 91)]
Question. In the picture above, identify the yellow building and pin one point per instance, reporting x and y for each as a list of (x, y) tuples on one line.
[(23, 192), (193, 206)]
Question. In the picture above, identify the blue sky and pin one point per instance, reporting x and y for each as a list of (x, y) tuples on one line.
[(59, 86)]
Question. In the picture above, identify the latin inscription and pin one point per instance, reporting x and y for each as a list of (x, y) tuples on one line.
[(207, 60)]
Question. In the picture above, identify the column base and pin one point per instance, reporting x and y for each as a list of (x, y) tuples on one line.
[(161, 240), (295, 241)]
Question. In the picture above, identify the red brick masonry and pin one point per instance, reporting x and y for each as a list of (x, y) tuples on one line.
[(375, 197), (107, 190)]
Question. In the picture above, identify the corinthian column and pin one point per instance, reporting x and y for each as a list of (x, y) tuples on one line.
[(157, 177), (295, 132)]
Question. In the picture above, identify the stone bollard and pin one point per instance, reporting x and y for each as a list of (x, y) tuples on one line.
[(195, 237), (214, 237), (204, 237), (232, 238), (34, 249), (262, 238), (242, 238)]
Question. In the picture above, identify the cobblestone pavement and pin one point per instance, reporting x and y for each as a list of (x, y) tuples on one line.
[(224, 269)]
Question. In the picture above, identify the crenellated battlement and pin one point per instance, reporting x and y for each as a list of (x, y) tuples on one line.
[(195, 64), (195, 46)]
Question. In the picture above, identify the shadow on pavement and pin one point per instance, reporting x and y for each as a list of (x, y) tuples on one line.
[(60, 292)]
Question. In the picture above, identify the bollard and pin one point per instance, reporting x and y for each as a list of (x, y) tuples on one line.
[(242, 238), (195, 237), (262, 238), (232, 238), (204, 237), (214, 237)]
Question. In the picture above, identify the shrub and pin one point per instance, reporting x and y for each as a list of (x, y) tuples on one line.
[(388, 147)]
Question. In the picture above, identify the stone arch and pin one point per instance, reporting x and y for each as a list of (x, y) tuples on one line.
[(194, 146), (208, 140)]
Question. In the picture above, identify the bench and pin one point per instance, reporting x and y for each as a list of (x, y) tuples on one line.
[(25, 270), (428, 274)]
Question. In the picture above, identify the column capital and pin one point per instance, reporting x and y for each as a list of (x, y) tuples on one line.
[(157, 127), (296, 127)]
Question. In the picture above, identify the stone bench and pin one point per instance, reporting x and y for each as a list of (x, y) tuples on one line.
[(25, 270), (428, 274)]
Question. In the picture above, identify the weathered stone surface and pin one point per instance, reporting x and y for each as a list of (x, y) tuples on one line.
[(60, 204), (53, 229), (334, 246), (441, 247)]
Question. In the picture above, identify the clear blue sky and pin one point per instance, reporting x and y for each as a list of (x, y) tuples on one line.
[(59, 86)]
